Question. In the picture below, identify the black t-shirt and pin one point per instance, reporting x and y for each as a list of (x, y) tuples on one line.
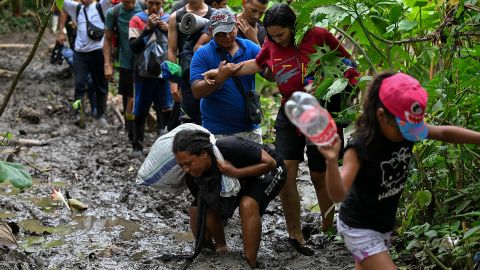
[(373, 198), (242, 153), (261, 34)]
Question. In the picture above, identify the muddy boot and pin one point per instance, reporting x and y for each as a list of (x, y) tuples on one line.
[(162, 120), (138, 136), (101, 100)]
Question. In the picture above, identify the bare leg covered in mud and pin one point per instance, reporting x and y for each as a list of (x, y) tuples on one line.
[(214, 230), (291, 202), (291, 205), (251, 229)]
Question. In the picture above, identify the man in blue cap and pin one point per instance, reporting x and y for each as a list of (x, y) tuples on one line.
[(222, 103)]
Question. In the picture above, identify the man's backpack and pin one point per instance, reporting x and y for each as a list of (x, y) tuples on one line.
[(93, 32), (150, 59)]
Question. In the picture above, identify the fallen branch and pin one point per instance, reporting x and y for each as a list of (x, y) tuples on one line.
[(29, 59), (119, 116), (436, 260), (15, 45), (33, 165), (7, 73), (29, 142)]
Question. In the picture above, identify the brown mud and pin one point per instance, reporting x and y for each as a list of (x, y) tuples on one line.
[(125, 226)]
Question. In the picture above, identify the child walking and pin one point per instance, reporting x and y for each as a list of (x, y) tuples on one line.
[(376, 162)]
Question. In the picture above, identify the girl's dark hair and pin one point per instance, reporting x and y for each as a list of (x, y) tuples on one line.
[(210, 2), (280, 15), (192, 141), (367, 126)]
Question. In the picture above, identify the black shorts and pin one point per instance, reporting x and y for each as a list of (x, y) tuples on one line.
[(125, 82), (290, 143), (262, 189)]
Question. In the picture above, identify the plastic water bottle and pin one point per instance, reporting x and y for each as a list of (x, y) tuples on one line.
[(314, 122)]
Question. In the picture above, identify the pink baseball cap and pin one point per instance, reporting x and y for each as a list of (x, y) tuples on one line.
[(406, 99)]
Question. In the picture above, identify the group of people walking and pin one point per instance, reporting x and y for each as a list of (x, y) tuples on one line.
[(218, 65)]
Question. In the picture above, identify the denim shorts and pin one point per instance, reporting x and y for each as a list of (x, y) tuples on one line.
[(363, 243)]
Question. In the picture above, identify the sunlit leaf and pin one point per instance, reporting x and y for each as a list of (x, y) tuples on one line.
[(336, 88), (77, 104), (59, 4), (405, 26)]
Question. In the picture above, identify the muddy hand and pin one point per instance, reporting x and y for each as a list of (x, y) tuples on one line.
[(332, 150)]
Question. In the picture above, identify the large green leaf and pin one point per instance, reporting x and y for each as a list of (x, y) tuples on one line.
[(406, 26), (15, 174), (59, 4), (336, 88), (424, 198), (472, 232), (331, 13)]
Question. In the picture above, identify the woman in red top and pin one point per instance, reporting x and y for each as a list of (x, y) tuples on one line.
[(287, 64)]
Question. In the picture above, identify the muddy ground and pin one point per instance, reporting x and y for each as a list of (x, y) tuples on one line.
[(125, 226)]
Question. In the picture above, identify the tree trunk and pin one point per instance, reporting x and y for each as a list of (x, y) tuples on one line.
[(17, 8)]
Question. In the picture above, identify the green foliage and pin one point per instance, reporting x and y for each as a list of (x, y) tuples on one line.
[(15, 174), (59, 4), (9, 23)]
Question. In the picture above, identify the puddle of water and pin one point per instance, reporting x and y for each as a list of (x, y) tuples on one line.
[(184, 236), (7, 189), (54, 243), (35, 226), (6, 215), (29, 241), (139, 255), (90, 223), (44, 203)]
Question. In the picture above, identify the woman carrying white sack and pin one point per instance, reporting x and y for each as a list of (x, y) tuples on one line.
[(260, 171)]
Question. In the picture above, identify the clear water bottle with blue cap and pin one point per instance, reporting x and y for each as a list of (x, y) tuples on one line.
[(312, 120)]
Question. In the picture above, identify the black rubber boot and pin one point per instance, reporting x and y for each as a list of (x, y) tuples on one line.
[(129, 126), (162, 121), (138, 136), (101, 100)]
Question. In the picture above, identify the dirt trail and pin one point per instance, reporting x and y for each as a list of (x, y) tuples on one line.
[(125, 227)]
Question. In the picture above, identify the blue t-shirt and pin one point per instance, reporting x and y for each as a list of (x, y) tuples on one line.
[(223, 112)]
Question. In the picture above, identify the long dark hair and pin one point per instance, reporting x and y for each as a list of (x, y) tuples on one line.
[(367, 126), (280, 15)]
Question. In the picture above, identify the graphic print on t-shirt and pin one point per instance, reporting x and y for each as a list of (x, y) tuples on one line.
[(394, 172), (285, 69)]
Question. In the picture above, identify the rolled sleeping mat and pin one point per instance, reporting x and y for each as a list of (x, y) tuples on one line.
[(192, 23)]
